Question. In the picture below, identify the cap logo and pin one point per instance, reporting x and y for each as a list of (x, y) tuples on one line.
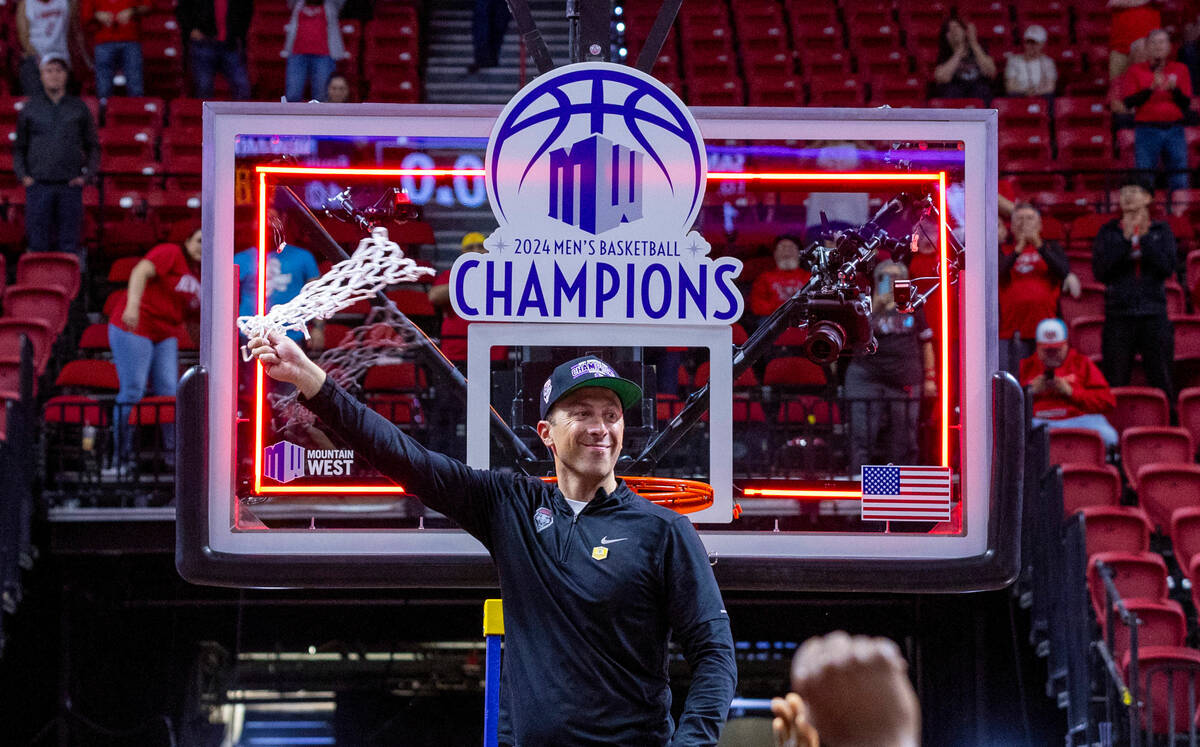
[(591, 366), (546, 390)]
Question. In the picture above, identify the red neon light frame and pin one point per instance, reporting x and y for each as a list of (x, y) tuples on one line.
[(802, 494)]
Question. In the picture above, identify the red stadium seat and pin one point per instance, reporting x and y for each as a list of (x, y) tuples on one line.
[(1137, 575), (793, 371), (1163, 488), (1184, 531), (1089, 304), (40, 336), (1090, 485), (1187, 336), (122, 268), (153, 411), (1023, 112), (739, 333), (1162, 624), (76, 410), (1025, 145), (395, 377), (1189, 412), (185, 113), (141, 113), (1086, 334), (1076, 446), (412, 302), (401, 409), (48, 269), (1143, 445), (94, 338), (88, 374), (181, 151), (1139, 405), (1072, 112), (1115, 528), (47, 303), (1086, 148), (1085, 227), (1168, 688), (814, 62), (836, 91)]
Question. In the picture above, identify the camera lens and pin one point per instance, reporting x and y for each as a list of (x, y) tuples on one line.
[(825, 342)]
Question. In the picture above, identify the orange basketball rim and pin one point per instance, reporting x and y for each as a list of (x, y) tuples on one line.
[(684, 496)]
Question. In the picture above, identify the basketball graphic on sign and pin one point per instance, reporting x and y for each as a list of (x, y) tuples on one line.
[(596, 145)]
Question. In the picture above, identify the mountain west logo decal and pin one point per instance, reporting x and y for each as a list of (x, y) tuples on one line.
[(596, 174), (285, 461)]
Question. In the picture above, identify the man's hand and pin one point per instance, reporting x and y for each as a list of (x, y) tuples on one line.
[(78, 181), (196, 35), (1037, 386), (857, 691), (1072, 285), (27, 181), (129, 317), (972, 34), (1062, 387), (283, 360), (125, 16), (104, 17), (791, 726), (1133, 226), (1160, 82)]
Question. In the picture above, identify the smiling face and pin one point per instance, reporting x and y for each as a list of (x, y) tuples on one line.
[(585, 430), (787, 255)]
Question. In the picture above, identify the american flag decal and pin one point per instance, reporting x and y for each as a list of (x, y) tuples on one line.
[(905, 493)]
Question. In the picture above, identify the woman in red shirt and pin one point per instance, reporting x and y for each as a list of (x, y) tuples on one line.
[(312, 45), (144, 332), (1032, 272)]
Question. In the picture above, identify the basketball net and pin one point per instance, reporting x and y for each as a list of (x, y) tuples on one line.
[(376, 264), (385, 337)]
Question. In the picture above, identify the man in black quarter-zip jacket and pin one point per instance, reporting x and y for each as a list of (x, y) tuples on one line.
[(595, 579)]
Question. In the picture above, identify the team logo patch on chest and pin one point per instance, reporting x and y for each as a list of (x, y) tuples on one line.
[(542, 518), (599, 553)]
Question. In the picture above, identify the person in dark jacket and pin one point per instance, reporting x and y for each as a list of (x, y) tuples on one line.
[(595, 579), (55, 154), (215, 31), (1133, 256)]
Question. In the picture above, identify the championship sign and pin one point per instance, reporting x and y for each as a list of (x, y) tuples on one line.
[(596, 174)]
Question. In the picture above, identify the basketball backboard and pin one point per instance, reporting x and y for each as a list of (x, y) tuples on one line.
[(774, 441)]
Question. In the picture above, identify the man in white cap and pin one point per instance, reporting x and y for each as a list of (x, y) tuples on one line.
[(1068, 389), (1031, 72)]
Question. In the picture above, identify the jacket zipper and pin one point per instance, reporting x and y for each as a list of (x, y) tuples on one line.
[(562, 558)]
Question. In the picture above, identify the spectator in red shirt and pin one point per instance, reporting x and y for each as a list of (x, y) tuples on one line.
[(1068, 389), (313, 46), (1161, 94), (144, 332), (114, 25), (1032, 271), (773, 287)]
